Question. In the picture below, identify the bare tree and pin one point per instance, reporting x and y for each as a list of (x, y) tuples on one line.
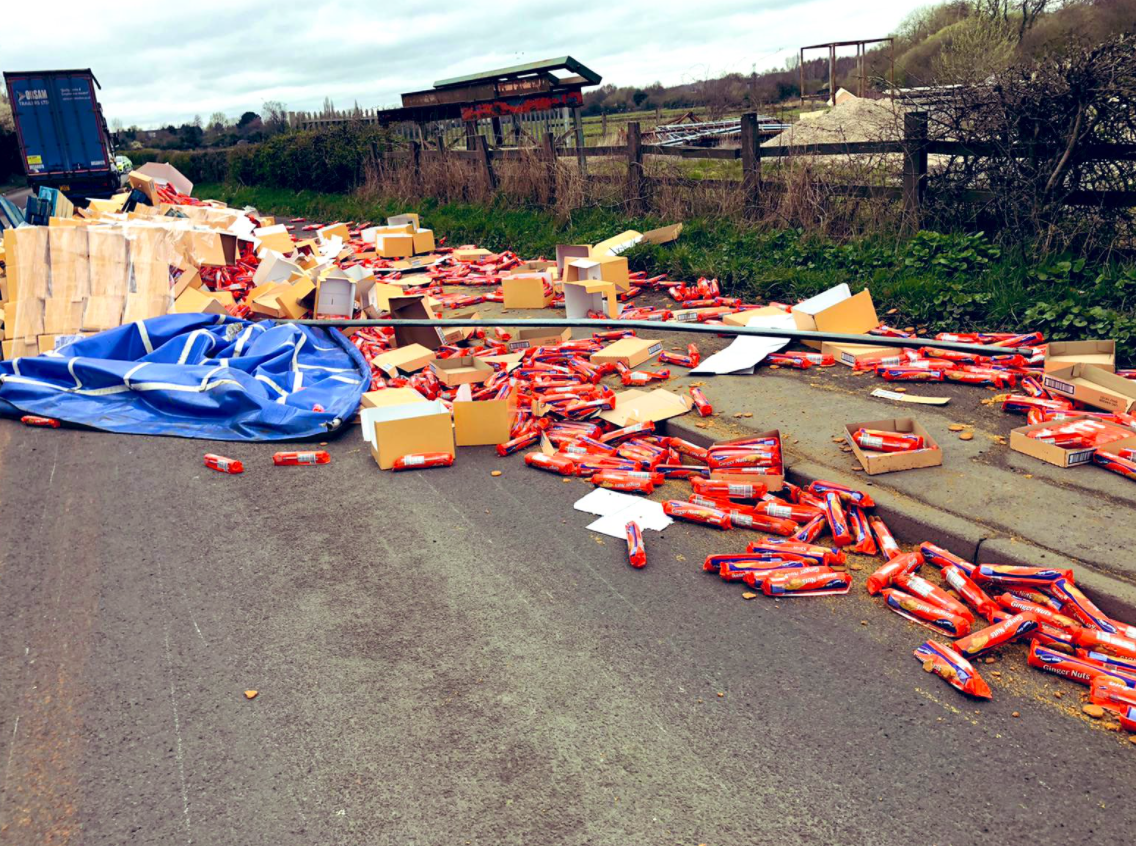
[(218, 121), (274, 116), (1036, 119), (1024, 12)]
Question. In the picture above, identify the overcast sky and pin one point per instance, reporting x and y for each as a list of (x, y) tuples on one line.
[(165, 62)]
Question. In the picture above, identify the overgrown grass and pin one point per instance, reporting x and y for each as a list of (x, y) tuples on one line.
[(936, 282)]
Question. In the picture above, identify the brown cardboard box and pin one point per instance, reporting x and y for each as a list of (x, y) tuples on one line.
[(609, 268), (268, 302), (774, 482), (1093, 386), (394, 246), (336, 230), (408, 359), (631, 351), (1059, 456), (45, 343), (145, 184), (415, 308), (215, 249), (526, 290), (193, 300), (9, 348), (275, 238), (635, 406), (390, 396), (523, 339), (190, 278), (423, 241), (483, 423), (854, 315), (849, 354), (461, 370), (1062, 354), (875, 463), (457, 334), (225, 298), (297, 299), (407, 428), (471, 255)]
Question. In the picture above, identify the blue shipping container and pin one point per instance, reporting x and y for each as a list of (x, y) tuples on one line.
[(59, 125)]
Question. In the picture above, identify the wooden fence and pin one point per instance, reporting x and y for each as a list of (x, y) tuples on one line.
[(914, 147)]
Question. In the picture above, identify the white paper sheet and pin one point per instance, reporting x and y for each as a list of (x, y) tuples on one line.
[(647, 513), (616, 509), (747, 351)]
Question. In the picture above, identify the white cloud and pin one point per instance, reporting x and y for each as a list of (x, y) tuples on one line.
[(175, 60)]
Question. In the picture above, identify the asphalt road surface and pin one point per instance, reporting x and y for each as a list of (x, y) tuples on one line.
[(450, 657)]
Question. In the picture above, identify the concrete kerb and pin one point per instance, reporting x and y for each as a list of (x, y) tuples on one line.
[(913, 521)]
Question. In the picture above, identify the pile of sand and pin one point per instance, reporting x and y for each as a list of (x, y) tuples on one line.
[(853, 120)]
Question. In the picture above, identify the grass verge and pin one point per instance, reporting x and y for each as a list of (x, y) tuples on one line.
[(933, 281)]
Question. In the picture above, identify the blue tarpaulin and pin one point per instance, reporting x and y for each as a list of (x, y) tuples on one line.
[(195, 376)]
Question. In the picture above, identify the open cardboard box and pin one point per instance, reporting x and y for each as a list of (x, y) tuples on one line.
[(875, 463), (1093, 386), (566, 253), (408, 359), (483, 423), (415, 308), (538, 336), (335, 296), (526, 290), (608, 268), (631, 351), (395, 427), (388, 396), (1062, 354), (1061, 457), (462, 370), (773, 481), (836, 310), (410, 218), (581, 298)]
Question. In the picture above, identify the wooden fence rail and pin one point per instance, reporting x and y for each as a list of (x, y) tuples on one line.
[(914, 148)]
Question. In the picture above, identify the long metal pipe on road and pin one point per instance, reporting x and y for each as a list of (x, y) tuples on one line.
[(678, 326)]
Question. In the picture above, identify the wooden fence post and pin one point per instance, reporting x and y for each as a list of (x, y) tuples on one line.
[(751, 163), (498, 138), (550, 157), (914, 166), (470, 135), (486, 164), (634, 195), (416, 159), (581, 156)]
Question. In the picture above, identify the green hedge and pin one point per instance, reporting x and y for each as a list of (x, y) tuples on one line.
[(331, 159)]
